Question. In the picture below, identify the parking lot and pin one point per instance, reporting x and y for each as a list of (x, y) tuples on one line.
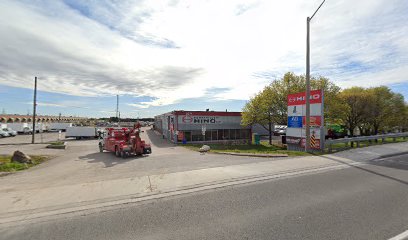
[(39, 138), (82, 161)]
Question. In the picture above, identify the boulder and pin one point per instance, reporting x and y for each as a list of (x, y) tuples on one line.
[(20, 157), (205, 148)]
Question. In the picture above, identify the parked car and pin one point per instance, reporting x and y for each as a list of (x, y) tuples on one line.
[(10, 131), (21, 128), (4, 133), (280, 130)]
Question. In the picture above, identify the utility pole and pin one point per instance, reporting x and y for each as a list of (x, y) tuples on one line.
[(308, 19), (119, 120), (117, 107), (34, 109)]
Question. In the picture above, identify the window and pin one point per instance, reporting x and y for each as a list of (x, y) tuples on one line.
[(244, 134), (233, 134), (196, 136), (187, 136), (207, 136), (214, 135), (220, 134), (226, 134)]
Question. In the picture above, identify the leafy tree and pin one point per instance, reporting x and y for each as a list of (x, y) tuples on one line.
[(270, 105), (354, 101)]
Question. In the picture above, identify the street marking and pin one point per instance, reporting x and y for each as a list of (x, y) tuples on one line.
[(401, 236)]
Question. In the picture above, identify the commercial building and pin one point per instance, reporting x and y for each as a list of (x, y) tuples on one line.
[(202, 126)]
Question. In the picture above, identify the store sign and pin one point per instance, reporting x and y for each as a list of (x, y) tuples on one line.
[(293, 140), (315, 121), (316, 96), (295, 122), (188, 119), (296, 132)]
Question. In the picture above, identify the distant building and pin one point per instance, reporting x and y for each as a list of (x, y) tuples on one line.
[(202, 126)]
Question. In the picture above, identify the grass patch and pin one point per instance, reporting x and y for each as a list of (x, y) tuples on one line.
[(7, 166), (263, 148)]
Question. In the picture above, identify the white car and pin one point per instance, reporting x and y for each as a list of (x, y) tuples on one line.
[(4, 134), (10, 131)]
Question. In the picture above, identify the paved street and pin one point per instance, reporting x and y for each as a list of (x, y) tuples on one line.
[(361, 202)]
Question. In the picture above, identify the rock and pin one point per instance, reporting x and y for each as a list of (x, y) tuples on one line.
[(20, 157), (205, 148)]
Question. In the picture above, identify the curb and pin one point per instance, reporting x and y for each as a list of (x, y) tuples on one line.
[(64, 146), (252, 154)]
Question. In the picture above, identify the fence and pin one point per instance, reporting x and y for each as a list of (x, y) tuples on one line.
[(329, 143)]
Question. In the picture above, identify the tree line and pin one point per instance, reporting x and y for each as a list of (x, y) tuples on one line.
[(371, 110)]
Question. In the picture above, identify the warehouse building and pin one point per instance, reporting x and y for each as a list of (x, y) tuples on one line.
[(202, 126)]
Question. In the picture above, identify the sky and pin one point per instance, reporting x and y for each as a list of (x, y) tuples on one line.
[(168, 55)]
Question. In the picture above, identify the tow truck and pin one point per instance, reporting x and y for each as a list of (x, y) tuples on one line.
[(124, 141)]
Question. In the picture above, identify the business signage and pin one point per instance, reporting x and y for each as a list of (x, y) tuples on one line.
[(189, 119), (295, 122), (315, 121), (293, 140), (296, 132), (316, 96)]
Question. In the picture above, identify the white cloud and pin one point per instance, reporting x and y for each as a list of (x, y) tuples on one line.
[(175, 50)]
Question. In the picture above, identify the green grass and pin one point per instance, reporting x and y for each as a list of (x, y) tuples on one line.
[(7, 166), (263, 148)]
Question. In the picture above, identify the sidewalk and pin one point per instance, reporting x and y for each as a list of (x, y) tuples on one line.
[(17, 205)]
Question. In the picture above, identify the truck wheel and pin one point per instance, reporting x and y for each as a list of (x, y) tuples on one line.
[(117, 153), (100, 148), (147, 151), (122, 154)]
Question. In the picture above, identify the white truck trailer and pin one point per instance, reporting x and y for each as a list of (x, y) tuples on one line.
[(81, 132), (59, 126), (21, 128)]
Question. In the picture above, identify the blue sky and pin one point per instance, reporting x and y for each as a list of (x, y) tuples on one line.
[(161, 55)]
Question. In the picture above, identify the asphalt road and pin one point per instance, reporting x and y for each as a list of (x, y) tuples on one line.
[(361, 202)]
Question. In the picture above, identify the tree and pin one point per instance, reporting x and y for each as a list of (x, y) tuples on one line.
[(270, 105), (258, 110), (354, 101)]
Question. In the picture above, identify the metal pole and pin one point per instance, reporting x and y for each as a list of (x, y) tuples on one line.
[(307, 143), (117, 107), (34, 109)]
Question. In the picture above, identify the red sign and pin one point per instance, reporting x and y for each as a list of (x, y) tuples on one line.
[(187, 118), (300, 99), (315, 121)]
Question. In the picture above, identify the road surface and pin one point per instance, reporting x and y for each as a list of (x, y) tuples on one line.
[(361, 202)]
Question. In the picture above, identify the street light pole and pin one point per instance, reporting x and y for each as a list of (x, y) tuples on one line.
[(308, 19), (34, 109), (307, 143)]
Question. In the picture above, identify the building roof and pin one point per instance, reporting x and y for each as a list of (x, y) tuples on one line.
[(207, 113)]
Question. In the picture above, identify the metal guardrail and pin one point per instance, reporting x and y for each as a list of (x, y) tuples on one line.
[(357, 140)]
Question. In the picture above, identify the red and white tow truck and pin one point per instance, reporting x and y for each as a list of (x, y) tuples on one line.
[(124, 142)]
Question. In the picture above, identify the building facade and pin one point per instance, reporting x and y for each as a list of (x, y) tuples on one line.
[(202, 126)]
